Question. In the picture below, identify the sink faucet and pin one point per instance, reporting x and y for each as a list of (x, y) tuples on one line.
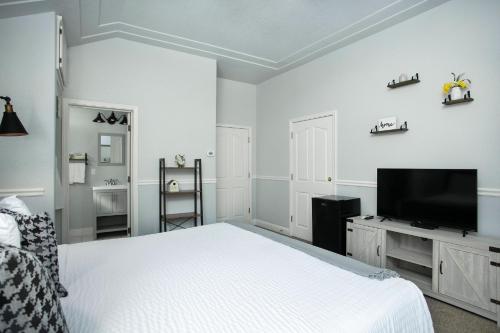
[(111, 181)]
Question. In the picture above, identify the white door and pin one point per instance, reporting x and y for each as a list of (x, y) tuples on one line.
[(233, 174), (311, 167), (467, 275), (364, 244)]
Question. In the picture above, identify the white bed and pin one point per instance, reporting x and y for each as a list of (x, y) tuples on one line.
[(219, 278)]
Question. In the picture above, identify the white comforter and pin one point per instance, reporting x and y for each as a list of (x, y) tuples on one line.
[(219, 278)]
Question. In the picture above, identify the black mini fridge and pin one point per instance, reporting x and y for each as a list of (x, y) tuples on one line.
[(329, 214)]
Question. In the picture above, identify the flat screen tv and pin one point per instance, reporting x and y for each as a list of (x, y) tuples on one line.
[(429, 197)]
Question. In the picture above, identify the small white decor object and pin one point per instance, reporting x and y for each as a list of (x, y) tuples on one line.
[(180, 159), (455, 89), (456, 93), (388, 123), (173, 186), (403, 77)]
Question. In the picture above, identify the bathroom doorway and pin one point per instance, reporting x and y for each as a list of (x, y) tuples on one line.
[(99, 153)]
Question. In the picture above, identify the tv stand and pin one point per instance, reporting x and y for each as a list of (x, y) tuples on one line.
[(420, 224), (462, 271)]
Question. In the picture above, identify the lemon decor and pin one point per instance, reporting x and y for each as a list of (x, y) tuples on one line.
[(455, 87)]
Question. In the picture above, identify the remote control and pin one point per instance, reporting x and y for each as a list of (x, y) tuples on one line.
[(367, 217)]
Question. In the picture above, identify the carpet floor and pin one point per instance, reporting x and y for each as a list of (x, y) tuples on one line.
[(450, 319)]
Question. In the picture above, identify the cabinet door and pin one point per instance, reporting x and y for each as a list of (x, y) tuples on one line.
[(104, 203), (364, 244), (120, 202), (466, 274)]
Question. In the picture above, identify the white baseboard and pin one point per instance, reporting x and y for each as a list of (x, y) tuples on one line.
[(271, 226), (81, 235)]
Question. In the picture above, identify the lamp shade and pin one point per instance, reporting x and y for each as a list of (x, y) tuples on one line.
[(112, 118), (124, 120), (11, 125), (99, 118)]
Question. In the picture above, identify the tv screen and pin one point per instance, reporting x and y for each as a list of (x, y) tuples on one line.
[(435, 197)]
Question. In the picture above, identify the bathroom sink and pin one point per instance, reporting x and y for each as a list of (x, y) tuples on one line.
[(109, 187)]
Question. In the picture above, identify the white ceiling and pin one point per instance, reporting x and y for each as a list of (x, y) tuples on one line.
[(251, 40)]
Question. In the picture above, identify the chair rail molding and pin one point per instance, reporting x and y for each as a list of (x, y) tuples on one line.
[(145, 182), (23, 192), (481, 191)]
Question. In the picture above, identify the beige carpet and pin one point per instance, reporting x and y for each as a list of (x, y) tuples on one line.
[(450, 319)]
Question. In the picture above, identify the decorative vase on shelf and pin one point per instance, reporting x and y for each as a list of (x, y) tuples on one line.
[(456, 93)]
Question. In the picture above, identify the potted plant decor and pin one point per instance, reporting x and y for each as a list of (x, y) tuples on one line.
[(454, 88)]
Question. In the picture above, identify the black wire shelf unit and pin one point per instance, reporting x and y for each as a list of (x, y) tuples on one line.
[(167, 221)]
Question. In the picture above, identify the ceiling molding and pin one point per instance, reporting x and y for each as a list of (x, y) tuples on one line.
[(85, 22)]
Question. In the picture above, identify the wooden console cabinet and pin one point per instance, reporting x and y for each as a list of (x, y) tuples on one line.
[(463, 271)]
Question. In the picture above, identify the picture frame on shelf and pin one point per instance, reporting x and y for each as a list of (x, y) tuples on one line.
[(387, 124)]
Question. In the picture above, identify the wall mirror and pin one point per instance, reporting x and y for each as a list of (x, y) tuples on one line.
[(111, 148)]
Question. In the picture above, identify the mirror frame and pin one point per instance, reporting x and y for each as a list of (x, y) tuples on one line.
[(99, 135)]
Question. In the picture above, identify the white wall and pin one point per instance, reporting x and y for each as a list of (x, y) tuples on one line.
[(458, 36), (176, 96), (237, 105), (27, 72)]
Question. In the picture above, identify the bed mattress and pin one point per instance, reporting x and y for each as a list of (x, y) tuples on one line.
[(220, 278)]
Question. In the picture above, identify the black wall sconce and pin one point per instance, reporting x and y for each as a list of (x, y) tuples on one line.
[(101, 118), (11, 125)]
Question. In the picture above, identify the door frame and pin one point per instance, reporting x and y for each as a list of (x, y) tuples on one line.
[(333, 114), (250, 166), (133, 158)]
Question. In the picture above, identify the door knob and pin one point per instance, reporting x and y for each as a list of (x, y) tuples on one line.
[(329, 179)]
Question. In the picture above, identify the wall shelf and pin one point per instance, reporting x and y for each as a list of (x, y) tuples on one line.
[(172, 221), (403, 128), (415, 257), (466, 99), (393, 84), (457, 101)]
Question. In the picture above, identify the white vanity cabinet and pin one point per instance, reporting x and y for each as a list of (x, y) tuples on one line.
[(462, 271), (364, 244), (110, 202), (111, 211)]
